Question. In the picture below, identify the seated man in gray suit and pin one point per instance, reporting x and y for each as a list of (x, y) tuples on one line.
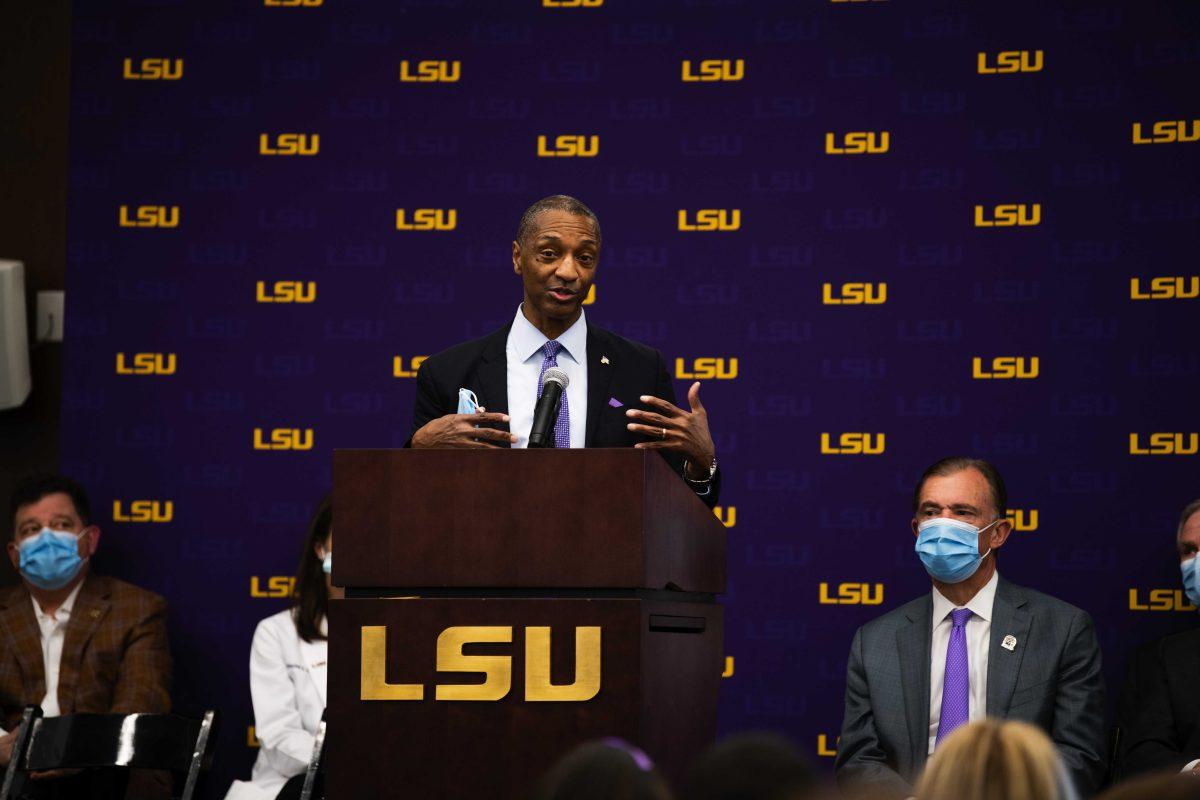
[(975, 646)]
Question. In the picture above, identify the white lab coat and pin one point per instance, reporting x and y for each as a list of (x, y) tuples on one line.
[(287, 686)]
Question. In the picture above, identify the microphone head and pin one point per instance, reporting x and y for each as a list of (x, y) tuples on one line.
[(558, 376)]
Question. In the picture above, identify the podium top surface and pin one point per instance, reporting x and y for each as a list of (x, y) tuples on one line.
[(521, 519)]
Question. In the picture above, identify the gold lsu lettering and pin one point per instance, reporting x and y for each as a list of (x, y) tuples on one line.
[(1160, 600), (1166, 288), (1022, 519), (430, 71), (852, 594), (1010, 61), (853, 444), (497, 669), (149, 217), (857, 143), (711, 219), (706, 369), (286, 292), (427, 219), (283, 439), (1006, 368), (293, 3), (572, 3), (1167, 131), (854, 294), (1164, 444), (824, 750), (277, 586), (153, 69), (146, 364), (1009, 215), (398, 370), (289, 144), (144, 511), (568, 146), (713, 70), (727, 515)]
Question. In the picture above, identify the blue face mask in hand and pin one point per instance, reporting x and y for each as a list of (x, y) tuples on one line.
[(949, 548), (1191, 579), (468, 403), (50, 559), (327, 562)]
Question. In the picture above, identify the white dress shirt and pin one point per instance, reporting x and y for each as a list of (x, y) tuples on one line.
[(54, 633), (979, 630), (524, 355)]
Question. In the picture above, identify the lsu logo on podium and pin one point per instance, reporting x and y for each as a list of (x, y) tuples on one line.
[(283, 439), (853, 444), (706, 369), (1167, 132), (727, 515), (854, 294), (1023, 520), (1009, 215), (857, 143), (289, 144), (153, 69), (712, 219), (497, 669), (286, 292), (1004, 368), (1160, 600), (148, 217), (567, 146), (713, 70), (146, 364), (1164, 444), (1010, 61), (276, 586), (852, 594), (398, 370), (1166, 288), (144, 511), (430, 71), (427, 219)]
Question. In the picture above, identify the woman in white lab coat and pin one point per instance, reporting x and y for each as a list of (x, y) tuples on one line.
[(288, 671)]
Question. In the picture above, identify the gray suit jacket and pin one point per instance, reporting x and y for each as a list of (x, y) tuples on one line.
[(1051, 678)]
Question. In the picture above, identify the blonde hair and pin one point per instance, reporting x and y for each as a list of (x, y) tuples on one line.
[(993, 760)]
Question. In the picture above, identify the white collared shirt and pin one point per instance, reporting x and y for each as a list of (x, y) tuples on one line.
[(54, 634), (523, 352), (979, 630)]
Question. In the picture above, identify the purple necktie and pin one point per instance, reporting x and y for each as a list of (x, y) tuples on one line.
[(562, 425), (956, 690)]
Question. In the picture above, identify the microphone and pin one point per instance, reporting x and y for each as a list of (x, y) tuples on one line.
[(545, 413)]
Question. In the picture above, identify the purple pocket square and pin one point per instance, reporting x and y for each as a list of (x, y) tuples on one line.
[(615, 403)]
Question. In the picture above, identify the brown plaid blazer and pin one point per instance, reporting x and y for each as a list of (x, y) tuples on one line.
[(115, 655)]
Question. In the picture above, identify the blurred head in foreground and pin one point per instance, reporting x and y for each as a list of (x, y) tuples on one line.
[(607, 769), (752, 766), (995, 760)]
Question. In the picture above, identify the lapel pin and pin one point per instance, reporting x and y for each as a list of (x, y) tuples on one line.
[(603, 359), (94, 613), (1009, 643)]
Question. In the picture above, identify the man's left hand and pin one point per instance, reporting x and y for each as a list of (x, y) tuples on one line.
[(672, 428)]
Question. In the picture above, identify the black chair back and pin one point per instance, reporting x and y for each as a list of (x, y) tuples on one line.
[(316, 764)]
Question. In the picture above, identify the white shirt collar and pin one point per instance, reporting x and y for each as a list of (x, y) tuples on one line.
[(981, 604), (524, 340), (63, 613)]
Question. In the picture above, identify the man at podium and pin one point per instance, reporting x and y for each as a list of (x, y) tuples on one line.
[(614, 392)]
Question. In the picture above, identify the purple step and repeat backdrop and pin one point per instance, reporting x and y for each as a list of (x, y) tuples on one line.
[(881, 232)]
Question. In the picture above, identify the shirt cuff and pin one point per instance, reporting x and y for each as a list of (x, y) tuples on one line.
[(1190, 765)]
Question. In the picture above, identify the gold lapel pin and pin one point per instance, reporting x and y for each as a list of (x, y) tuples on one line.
[(95, 613), (603, 359)]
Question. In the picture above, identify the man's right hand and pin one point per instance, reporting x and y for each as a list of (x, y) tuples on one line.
[(458, 432)]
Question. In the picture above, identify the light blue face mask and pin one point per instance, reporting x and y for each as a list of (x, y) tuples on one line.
[(327, 564), (50, 559), (468, 403), (949, 548), (1191, 579)]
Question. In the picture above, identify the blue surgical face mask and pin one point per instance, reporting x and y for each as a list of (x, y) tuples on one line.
[(327, 563), (1191, 579), (949, 548), (468, 403), (50, 559)]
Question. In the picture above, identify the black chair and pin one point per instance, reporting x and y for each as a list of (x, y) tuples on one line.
[(316, 764), (169, 742)]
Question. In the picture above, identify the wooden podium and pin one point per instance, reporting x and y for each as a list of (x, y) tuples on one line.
[(503, 606)]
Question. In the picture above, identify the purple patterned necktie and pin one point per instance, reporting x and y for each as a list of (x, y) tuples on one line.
[(562, 425), (956, 690)]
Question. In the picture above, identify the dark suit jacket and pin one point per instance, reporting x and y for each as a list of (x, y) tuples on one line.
[(115, 657), (481, 365), (1160, 706), (1051, 678)]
